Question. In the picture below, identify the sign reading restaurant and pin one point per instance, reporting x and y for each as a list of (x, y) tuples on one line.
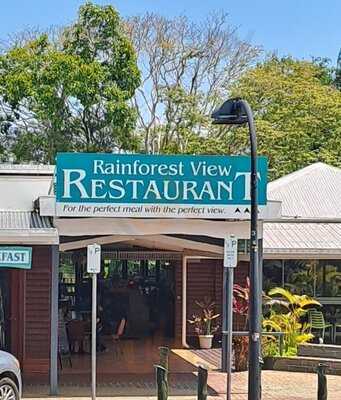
[(167, 186)]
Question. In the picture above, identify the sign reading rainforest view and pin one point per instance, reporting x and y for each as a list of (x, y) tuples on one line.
[(174, 186)]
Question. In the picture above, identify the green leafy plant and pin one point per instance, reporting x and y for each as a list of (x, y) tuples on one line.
[(286, 313), (241, 299), (204, 322), (74, 96), (270, 346)]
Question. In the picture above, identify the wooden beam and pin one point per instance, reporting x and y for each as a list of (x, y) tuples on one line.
[(177, 244), (140, 227), (148, 241), (79, 244)]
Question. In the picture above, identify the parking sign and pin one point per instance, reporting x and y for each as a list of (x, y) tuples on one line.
[(94, 259), (230, 252)]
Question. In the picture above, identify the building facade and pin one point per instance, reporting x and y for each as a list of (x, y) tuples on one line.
[(173, 263), (302, 251)]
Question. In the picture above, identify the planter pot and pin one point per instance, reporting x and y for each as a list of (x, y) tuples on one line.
[(205, 341), (269, 363)]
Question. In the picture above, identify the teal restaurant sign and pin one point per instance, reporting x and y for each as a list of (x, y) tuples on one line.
[(16, 257), (167, 186)]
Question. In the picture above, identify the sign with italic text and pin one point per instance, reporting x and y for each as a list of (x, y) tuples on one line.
[(156, 186), (16, 257)]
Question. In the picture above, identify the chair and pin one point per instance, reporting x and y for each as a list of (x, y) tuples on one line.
[(336, 327), (317, 322), (76, 335), (63, 344), (63, 354), (117, 336)]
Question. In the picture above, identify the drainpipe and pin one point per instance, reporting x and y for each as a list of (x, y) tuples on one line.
[(184, 302)]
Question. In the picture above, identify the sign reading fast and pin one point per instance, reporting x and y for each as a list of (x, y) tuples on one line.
[(15, 257), (174, 186)]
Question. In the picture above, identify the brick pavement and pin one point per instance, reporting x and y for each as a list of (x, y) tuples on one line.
[(276, 385)]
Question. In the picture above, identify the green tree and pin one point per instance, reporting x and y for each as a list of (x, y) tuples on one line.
[(297, 113), (73, 95)]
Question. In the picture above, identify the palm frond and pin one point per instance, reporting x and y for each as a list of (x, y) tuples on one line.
[(291, 298)]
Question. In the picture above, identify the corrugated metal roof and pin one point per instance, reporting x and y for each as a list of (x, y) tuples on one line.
[(313, 192), (23, 220), (26, 169), (301, 237)]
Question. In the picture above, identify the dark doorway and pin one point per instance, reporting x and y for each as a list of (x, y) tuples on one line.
[(136, 309)]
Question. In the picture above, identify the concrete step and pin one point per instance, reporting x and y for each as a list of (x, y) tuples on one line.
[(305, 364), (319, 350)]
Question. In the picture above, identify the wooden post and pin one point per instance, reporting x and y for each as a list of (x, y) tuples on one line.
[(54, 321), (322, 392), (164, 354), (202, 383), (162, 382)]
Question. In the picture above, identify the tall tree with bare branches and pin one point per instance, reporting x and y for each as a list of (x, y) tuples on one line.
[(187, 68)]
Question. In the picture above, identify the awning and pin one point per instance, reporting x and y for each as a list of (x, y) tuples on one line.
[(161, 242), (26, 227), (152, 226), (301, 238)]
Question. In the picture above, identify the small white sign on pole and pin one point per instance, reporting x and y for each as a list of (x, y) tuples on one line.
[(94, 259), (230, 252), (93, 267)]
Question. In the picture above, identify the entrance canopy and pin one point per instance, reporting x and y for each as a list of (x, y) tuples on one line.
[(142, 227), (167, 234)]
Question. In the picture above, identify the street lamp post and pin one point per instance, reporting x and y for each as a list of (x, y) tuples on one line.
[(238, 112)]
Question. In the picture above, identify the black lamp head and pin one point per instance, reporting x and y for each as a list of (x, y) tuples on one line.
[(230, 113)]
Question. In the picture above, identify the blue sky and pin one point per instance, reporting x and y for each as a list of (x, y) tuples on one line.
[(302, 28)]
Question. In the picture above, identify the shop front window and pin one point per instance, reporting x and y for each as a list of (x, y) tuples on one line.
[(329, 278), (272, 274), (300, 276), (315, 278)]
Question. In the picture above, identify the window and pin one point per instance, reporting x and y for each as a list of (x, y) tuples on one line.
[(272, 274), (329, 278), (316, 278), (300, 276)]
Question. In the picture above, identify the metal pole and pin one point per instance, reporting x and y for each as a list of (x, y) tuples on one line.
[(184, 302), (224, 344), (260, 299), (93, 336), (229, 321), (254, 382)]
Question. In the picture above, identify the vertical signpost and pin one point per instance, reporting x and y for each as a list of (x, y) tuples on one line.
[(230, 262), (93, 268)]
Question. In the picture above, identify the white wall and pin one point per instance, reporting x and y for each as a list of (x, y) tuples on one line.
[(17, 193)]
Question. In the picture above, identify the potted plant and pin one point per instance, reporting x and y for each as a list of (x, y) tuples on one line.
[(204, 323)]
